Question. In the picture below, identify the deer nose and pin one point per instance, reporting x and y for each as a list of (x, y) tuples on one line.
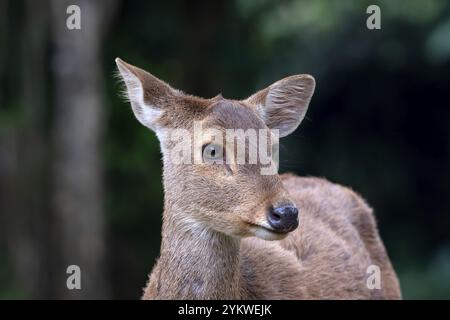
[(283, 218)]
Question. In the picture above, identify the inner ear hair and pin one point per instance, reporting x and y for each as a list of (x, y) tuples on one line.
[(154, 90), (283, 105), (148, 95)]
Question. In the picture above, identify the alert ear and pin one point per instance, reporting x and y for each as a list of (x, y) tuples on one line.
[(148, 95), (283, 105)]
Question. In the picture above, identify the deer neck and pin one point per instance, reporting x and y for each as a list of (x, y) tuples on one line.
[(195, 262)]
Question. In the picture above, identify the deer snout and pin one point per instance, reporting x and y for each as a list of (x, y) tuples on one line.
[(283, 218)]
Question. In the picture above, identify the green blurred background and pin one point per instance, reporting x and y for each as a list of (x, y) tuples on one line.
[(80, 178)]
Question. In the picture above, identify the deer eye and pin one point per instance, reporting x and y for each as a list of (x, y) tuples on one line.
[(212, 153)]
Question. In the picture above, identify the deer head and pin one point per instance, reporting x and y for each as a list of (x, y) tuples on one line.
[(206, 188)]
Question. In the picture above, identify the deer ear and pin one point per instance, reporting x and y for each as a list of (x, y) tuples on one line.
[(147, 94), (283, 105)]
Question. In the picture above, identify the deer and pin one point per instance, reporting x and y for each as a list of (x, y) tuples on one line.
[(229, 232)]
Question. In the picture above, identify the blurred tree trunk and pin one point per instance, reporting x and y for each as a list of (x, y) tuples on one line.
[(77, 168), (22, 151), (205, 17)]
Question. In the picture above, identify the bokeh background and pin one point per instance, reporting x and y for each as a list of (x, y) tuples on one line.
[(80, 178)]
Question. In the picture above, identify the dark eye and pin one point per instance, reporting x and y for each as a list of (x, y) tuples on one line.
[(212, 153)]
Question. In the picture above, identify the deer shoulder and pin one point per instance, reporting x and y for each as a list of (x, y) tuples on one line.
[(331, 251)]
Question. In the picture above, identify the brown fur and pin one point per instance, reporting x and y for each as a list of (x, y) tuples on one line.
[(212, 213)]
